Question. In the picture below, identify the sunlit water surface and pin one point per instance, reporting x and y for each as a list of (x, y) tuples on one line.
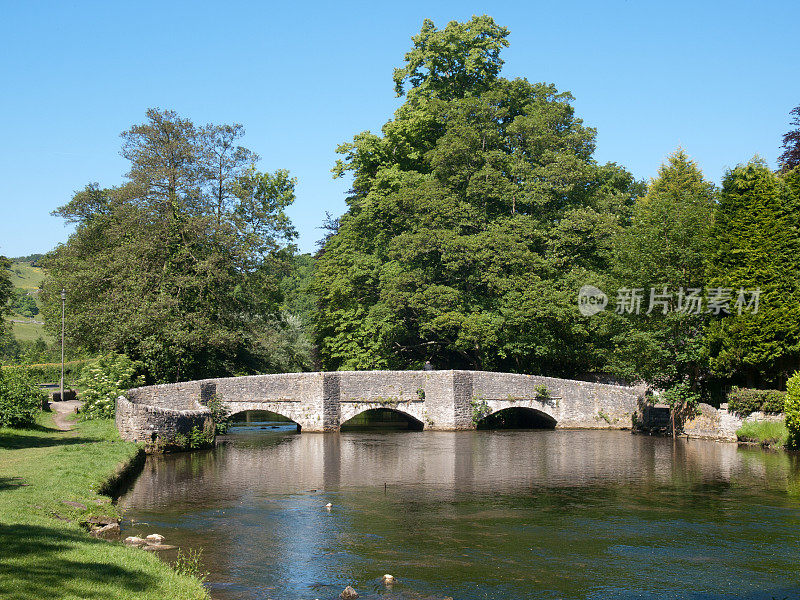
[(474, 515)]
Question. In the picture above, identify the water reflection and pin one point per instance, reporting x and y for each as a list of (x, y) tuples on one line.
[(511, 514)]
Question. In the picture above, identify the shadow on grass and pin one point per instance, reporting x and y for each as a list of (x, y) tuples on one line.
[(11, 483), (12, 440), (39, 569)]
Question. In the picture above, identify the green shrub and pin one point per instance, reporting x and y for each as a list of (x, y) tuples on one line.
[(792, 409), (219, 414), (20, 399), (744, 401), (766, 433), (480, 409), (103, 381)]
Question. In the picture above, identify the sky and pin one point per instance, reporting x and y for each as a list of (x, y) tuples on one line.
[(717, 78)]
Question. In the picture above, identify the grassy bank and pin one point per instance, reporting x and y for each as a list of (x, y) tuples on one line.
[(768, 433), (44, 552)]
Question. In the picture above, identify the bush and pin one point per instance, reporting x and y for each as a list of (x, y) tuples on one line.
[(20, 399), (219, 415), (744, 401), (792, 409), (103, 381)]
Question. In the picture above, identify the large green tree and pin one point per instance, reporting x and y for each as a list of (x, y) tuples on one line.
[(180, 266), (662, 252), (473, 220), (756, 245)]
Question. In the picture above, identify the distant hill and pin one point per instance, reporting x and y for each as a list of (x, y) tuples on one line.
[(28, 277), (31, 258)]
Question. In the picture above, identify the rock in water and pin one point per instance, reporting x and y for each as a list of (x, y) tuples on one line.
[(388, 579), (348, 594), (107, 532), (134, 541), (154, 538)]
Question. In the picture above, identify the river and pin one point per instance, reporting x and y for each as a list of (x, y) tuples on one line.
[(477, 515)]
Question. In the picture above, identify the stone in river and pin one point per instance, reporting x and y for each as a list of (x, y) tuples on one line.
[(348, 594), (134, 541), (106, 532), (154, 538)]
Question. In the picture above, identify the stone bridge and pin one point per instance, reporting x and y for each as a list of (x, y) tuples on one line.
[(436, 400)]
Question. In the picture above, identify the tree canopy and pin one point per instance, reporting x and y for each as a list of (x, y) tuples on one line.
[(180, 265), (755, 245), (790, 158), (471, 220)]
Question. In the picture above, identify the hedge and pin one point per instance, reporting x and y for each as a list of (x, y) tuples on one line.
[(744, 401), (792, 409), (51, 372)]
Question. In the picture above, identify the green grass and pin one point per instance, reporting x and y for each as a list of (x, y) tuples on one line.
[(24, 276), (768, 433), (30, 332), (44, 556), (28, 278)]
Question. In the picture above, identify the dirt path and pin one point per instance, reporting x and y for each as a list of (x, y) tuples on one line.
[(61, 410)]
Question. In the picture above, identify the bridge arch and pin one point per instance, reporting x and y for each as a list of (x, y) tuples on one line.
[(382, 418), (517, 417), (261, 415)]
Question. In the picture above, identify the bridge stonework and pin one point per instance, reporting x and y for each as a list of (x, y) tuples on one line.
[(440, 400)]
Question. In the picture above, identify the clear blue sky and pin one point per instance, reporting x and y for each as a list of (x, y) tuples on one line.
[(718, 78)]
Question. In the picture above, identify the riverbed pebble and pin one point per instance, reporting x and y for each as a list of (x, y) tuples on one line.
[(154, 538), (388, 579)]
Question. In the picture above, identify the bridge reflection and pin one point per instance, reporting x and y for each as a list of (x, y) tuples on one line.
[(443, 464)]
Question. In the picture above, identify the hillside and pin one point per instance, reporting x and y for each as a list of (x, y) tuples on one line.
[(28, 278)]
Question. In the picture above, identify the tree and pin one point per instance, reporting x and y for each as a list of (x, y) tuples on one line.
[(463, 58), (471, 223), (756, 247), (6, 289), (665, 245), (180, 266), (791, 144)]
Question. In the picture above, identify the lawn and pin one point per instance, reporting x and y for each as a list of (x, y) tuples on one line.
[(44, 552)]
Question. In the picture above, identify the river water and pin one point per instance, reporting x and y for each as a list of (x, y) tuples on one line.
[(478, 515)]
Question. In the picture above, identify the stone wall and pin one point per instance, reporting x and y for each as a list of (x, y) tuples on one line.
[(440, 400), (147, 423), (720, 424)]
